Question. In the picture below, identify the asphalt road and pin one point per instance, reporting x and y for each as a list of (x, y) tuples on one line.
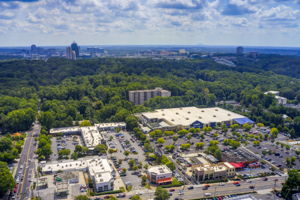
[(221, 190), (27, 161)]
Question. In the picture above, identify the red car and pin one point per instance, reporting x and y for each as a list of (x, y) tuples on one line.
[(16, 188)]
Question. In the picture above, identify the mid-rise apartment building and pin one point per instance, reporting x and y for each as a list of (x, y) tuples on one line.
[(140, 96)]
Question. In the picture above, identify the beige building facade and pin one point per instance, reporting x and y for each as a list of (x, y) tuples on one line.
[(140, 96), (218, 171)]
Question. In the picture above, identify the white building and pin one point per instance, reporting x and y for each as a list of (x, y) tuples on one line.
[(160, 174), (111, 126), (66, 130), (272, 92), (280, 100), (186, 117), (91, 135), (98, 169)]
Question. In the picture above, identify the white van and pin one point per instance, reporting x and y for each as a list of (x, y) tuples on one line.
[(207, 194)]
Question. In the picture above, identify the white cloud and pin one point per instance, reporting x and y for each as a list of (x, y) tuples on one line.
[(126, 20)]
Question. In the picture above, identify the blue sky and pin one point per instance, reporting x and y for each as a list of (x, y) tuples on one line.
[(113, 22)]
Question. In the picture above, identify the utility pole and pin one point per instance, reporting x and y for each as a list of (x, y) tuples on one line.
[(215, 190), (275, 181)]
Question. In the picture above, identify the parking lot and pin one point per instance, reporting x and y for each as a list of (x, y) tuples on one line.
[(64, 142), (275, 154), (124, 142)]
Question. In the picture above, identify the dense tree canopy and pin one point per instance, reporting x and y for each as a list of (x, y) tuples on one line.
[(97, 89)]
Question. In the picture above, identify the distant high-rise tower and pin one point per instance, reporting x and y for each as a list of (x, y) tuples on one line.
[(70, 54), (33, 49), (75, 48), (239, 50)]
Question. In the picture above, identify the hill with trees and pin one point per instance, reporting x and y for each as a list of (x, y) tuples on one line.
[(97, 89)]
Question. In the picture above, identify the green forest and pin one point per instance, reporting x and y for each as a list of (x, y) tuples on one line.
[(97, 89)]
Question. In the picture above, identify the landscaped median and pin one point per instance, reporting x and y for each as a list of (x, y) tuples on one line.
[(175, 183)]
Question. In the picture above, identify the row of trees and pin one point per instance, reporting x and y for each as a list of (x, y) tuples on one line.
[(44, 146)]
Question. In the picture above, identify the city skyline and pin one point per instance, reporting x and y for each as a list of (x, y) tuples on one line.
[(150, 22)]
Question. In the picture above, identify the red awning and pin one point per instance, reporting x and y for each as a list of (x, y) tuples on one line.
[(237, 165), (165, 180)]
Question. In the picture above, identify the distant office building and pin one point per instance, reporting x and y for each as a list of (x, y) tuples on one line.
[(93, 50), (253, 54), (75, 48), (33, 49), (70, 54), (182, 51), (140, 96), (239, 50)]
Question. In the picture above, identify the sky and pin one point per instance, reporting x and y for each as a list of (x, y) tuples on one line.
[(150, 22)]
